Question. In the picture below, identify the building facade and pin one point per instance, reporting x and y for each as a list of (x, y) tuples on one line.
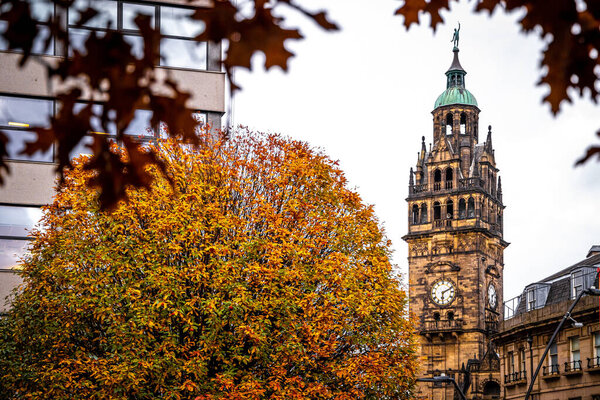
[(28, 99), (455, 243), (571, 370)]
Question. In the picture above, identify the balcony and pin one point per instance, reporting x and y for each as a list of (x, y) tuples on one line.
[(462, 185), (441, 326), (469, 183), (515, 378), (442, 223), (551, 372), (593, 365), (573, 368)]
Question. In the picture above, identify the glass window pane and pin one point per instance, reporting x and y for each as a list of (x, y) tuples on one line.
[(201, 120), (176, 22), (16, 144), (130, 11), (95, 123), (107, 13), (200, 117), (83, 147), (22, 112), (140, 124), (137, 45), (180, 53), (11, 251), (574, 343), (17, 221), (39, 44), (42, 10), (77, 38), (3, 42)]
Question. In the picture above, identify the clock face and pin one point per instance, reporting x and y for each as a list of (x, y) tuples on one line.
[(492, 296), (443, 292)]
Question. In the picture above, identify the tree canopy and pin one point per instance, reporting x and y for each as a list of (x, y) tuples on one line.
[(256, 273)]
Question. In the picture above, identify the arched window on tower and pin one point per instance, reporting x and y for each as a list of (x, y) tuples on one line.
[(463, 124), (462, 208), (415, 214), (471, 208), (437, 179), (449, 124), (449, 177), (437, 210), (423, 213), (449, 209)]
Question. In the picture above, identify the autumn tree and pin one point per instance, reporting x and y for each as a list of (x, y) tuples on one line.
[(256, 273)]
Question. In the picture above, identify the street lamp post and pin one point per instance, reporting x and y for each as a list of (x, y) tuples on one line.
[(444, 379), (591, 291)]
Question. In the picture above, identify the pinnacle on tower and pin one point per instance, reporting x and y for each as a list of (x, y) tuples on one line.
[(411, 180), (499, 188), (488, 140)]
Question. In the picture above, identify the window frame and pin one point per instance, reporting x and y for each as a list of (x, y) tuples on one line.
[(574, 349), (523, 360), (596, 344), (24, 239), (46, 158), (553, 354), (128, 32), (51, 50), (511, 362)]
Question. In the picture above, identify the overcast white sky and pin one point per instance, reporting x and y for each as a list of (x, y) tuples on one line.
[(365, 96)]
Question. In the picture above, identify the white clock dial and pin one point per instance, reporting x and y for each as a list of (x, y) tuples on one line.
[(443, 292), (492, 296)]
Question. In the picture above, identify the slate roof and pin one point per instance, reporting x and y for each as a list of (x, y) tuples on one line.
[(588, 262), (560, 283)]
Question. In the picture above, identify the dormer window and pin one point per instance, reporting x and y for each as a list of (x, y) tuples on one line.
[(582, 279), (536, 295)]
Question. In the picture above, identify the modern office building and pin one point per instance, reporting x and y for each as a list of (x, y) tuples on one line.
[(27, 99), (455, 245), (571, 370)]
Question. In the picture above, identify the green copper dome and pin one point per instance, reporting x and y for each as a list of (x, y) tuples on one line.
[(455, 95), (455, 92)]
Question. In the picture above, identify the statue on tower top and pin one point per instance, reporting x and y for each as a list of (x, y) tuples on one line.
[(455, 37)]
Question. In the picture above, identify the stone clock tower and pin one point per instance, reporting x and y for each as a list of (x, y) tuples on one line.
[(456, 248)]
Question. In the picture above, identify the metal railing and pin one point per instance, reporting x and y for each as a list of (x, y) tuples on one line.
[(511, 306), (593, 362), (549, 370), (573, 366), (520, 376)]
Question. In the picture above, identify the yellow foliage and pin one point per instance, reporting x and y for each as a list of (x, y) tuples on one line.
[(249, 271)]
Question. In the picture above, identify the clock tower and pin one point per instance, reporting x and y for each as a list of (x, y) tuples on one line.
[(455, 243)]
